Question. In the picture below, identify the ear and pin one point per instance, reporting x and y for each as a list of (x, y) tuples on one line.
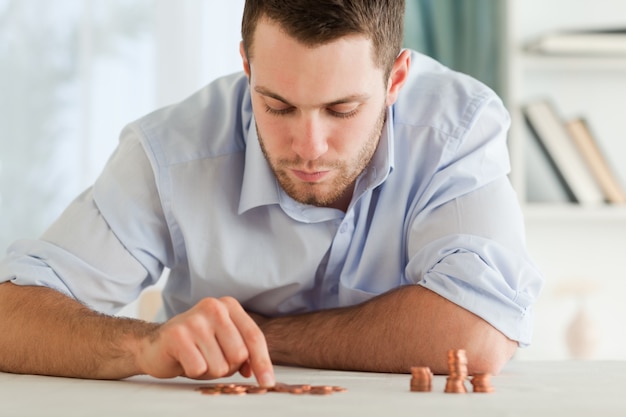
[(244, 58), (398, 76)]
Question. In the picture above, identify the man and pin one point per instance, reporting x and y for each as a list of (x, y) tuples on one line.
[(340, 204)]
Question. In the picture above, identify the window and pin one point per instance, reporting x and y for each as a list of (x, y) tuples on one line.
[(74, 72)]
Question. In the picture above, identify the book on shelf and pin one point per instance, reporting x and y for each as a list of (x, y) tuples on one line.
[(543, 182), (554, 139), (610, 41), (596, 160)]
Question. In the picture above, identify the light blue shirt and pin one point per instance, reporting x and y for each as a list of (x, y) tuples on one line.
[(189, 189)]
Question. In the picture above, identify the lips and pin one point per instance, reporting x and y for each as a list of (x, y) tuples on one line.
[(310, 176)]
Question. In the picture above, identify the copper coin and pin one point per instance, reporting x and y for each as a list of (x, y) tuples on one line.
[(321, 390), (256, 390)]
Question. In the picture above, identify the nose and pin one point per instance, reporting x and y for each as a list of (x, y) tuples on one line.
[(310, 138)]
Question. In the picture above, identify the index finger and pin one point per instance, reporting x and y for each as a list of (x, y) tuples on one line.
[(254, 339)]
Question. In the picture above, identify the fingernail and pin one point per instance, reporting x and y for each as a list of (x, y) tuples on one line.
[(266, 380)]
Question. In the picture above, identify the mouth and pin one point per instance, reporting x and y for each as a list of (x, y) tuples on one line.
[(310, 176)]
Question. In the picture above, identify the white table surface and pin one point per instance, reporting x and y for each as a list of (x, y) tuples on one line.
[(524, 388)]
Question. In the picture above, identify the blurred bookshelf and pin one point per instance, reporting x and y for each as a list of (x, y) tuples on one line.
[(570, 241), (545, 62), (568, 212), (578, 85)]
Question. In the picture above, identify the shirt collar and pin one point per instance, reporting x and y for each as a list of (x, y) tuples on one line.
[(382, 162), (260, 187)]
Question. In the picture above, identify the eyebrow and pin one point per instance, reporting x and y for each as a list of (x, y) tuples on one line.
[(352, 98)]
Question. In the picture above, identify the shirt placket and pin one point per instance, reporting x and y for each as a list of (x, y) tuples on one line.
[(336, 261)]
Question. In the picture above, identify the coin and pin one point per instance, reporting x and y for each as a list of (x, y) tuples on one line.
[(455, 386), (243, 389), (457, 371), (482, 383), (421, 379), (256, 390), (322, 390)]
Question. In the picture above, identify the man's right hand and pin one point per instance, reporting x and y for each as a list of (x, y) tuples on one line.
[(214, 339)]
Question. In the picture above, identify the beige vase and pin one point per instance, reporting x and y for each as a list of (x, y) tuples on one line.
[(582, 335)]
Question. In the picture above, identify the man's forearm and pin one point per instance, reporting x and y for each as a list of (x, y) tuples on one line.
[(45, 332), (390, 333)]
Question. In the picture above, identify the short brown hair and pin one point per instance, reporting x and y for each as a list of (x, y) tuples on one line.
[(317, 22)]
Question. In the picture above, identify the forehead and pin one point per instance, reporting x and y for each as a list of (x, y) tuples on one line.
[(297, 71)]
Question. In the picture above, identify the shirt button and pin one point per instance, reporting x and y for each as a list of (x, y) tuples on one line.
[(343, 228)]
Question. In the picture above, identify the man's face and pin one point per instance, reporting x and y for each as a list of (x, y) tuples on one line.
[(319, 112)]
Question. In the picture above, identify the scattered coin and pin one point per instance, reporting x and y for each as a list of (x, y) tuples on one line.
[(243, 389)]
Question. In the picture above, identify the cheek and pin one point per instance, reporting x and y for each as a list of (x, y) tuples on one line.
[(272, 130), (353, 133), (274, 133)]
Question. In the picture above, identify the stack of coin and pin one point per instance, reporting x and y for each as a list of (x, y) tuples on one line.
[(482, 383), (457, 365), (421, 379)]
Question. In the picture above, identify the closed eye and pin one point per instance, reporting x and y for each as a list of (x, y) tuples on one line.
[(343, 115), (278, 112), (289, 110), (343, 108), (276, 106)]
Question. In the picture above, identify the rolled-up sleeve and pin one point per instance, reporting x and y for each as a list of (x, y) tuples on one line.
[(466, 241), (471, 253)]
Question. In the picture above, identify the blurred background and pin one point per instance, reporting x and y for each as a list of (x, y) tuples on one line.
[(74, 72)]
